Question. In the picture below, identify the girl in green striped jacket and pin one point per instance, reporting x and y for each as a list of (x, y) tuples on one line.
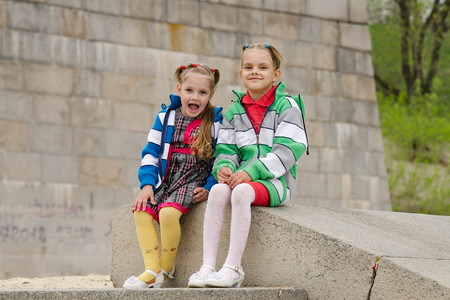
[(259, 144)]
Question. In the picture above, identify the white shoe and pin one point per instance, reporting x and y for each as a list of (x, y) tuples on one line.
[(134, 283), (197, 280), (219, 280)]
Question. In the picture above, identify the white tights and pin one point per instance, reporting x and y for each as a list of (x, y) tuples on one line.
[(241, 198)]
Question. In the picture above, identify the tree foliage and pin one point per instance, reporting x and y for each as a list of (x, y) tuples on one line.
[(423, 25)]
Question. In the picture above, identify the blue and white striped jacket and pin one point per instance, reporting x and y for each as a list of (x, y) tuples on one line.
[(155, 155)]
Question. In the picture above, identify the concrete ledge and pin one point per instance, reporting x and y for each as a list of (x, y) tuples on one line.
[(166, 294), (329, 253)]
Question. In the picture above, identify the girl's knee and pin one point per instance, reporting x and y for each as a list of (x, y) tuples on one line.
[(220, 189), (242, 194), (219, 194), (169, 214), (142, 217)]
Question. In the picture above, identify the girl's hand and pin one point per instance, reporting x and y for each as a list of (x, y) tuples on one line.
[(140, 203), (238, 178), (200, 194), (224, 174)]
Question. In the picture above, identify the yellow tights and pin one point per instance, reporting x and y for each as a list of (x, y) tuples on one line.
[(148, 242), (169, 221), (169, 218)]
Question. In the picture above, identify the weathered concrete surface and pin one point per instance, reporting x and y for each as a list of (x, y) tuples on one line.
[(329, 253), (155, 294)]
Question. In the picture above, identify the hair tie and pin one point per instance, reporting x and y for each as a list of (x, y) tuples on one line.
[(213, 70), (246, 46), (194, 65), (182, 67), (266, 45)]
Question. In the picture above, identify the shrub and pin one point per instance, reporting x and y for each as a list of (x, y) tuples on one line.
[(419, 188), (415, 131)]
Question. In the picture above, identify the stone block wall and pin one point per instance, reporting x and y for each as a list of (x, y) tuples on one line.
[(82, 80)]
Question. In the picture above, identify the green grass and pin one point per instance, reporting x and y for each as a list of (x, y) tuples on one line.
[(418, 188)]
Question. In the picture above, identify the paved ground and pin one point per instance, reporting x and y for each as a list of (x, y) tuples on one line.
[(92, 281)]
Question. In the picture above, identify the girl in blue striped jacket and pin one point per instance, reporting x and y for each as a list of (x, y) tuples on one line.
[(175, 170), (259, 144)]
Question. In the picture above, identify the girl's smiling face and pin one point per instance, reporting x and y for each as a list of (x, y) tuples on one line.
[(258, 72), (195, 93)]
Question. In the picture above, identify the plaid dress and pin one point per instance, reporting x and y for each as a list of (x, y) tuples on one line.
[(186, 171)]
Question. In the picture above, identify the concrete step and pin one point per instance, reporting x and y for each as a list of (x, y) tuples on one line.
[(330, 253), (155, 294)]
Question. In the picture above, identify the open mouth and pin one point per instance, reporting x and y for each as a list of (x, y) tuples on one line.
[(193, 106)]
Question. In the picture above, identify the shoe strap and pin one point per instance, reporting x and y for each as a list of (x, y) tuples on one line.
[(239, 270), (208, 267), (168, 274), (151, 272)]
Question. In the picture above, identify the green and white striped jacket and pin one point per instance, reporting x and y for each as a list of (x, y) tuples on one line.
[(269, 157)]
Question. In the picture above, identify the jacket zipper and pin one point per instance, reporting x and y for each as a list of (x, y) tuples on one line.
[(162, 144), (256, 133)]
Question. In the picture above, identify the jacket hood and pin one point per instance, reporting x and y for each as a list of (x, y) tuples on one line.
[(175, 101)]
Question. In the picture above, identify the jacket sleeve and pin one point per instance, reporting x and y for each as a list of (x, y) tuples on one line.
[(148, 171), (210, 181), (227, 153)]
